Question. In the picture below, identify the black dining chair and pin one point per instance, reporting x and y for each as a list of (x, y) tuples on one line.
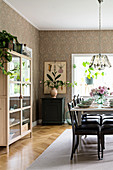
[(87, 118), (106, 129), (107, 118), (83, 129)]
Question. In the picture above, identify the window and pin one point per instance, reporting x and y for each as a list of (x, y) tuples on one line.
[(78, 75)]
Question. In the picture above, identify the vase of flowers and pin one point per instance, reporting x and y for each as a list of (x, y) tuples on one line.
[(53, 92), (100, 94), (54, 83)]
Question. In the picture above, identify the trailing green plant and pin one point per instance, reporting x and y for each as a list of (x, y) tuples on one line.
[(53, 81), (90, 71), (5, 40)]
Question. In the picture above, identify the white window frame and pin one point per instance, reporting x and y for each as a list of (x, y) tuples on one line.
[(84, 55)]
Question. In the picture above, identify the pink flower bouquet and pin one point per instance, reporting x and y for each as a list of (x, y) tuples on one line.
[(100, 91)]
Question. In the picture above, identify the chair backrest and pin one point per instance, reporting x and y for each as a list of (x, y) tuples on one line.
[(73, 116), (76, 99)]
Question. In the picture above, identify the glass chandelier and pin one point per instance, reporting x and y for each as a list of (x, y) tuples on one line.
[(100, 61)]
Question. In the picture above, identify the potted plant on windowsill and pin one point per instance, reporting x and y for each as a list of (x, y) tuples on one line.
[(90, 73), (54, 83), (6, 42)]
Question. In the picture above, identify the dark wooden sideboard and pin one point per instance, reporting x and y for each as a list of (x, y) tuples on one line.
[(53, 110)]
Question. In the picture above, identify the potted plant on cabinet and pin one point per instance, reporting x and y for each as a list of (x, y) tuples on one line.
[(54, 83), (6, 42), (90, 73)]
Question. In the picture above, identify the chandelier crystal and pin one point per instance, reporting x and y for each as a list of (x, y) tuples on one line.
[(100, 61)]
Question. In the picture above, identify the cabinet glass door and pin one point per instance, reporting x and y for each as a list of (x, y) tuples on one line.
[(26, 95), (26, 77), (25, 120), (14, 124), (14, 67), (14, 96)]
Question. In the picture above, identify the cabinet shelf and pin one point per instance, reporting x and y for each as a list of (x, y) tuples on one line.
[(25, 120), (18, 122), (14, 124), (15, 110)]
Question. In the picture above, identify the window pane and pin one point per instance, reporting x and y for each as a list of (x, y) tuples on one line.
[(14, 122), (14, 96), (15, 66), (25, 70), (26, 119), (26, 95)]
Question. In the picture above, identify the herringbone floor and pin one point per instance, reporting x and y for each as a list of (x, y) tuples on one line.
[(23, 152)]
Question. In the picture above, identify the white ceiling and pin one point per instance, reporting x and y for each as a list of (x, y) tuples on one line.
[(64, 14)]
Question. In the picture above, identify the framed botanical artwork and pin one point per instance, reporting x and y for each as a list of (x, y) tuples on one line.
[(59, 68)]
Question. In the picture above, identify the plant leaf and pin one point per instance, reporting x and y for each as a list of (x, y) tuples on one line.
[(84, 64), (102, 73), (53, 74), (49, 77), (88, 76), (57, 76), (74, 66)]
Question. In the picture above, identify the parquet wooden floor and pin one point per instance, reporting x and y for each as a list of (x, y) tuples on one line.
[(23, 152)]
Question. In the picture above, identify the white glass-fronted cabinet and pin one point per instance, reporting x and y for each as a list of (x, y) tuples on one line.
[(18, 99)]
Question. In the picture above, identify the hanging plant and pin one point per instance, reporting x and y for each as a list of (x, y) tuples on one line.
[(6, 40), (90, 72)]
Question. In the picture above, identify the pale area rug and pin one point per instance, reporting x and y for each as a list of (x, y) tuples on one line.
[(57, 155)]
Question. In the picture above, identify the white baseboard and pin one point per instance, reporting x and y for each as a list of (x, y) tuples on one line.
[(34, 123), (37, 122)]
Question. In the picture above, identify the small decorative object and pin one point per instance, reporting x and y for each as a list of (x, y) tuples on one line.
[(100, 94), (53, 92), (11, 120), (26, 50), (89, 81), (17, 47), (15, 106), (111, 101)]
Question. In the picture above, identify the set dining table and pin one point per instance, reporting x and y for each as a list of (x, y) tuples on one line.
[(93, 109)]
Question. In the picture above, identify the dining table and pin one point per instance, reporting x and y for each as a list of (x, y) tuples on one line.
[(94, 108)]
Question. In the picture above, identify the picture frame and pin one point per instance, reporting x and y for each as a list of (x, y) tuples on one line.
[(60, 68)]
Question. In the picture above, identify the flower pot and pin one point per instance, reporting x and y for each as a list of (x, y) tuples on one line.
[(89, 81), (53, 92)]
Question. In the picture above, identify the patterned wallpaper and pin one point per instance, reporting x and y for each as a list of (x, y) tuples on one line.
[(13, 23), (59, 45)]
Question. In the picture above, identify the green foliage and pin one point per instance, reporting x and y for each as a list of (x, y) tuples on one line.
[(49, 77), (53, 82), (85, 63), (90, 71), (74, 66), (5, 56), (102, 73)]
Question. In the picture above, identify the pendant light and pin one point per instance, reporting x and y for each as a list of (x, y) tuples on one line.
[(100, 61)]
